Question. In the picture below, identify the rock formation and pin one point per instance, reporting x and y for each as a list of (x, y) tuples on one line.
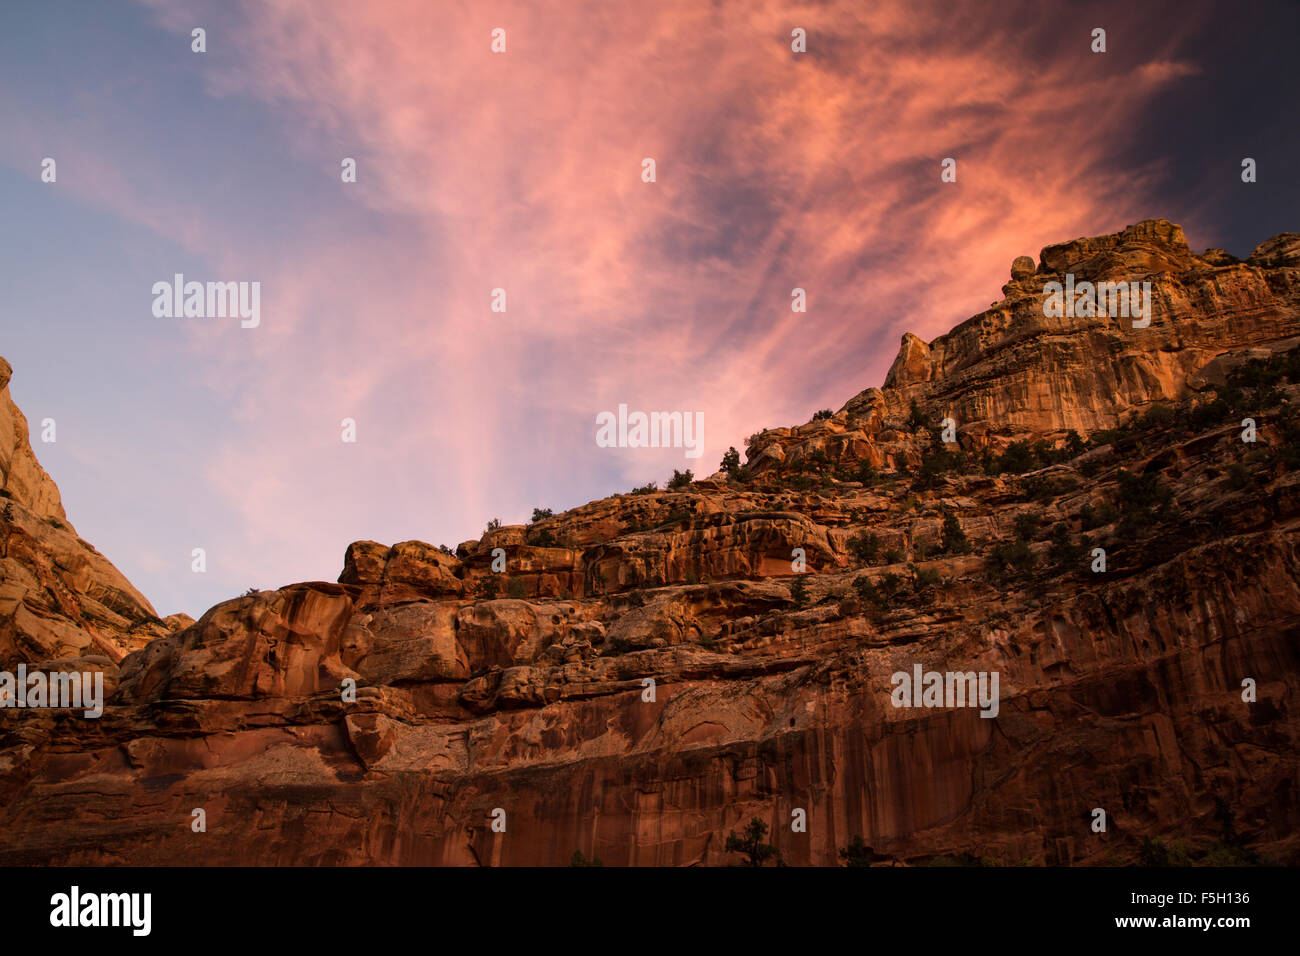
[(59, 597), (526, 691)]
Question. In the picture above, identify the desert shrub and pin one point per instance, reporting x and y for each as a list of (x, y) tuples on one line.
[(750, 843), (646, 489), (1063, 551), (1143, 500), (541, 514), (1103, 514), (868, 593), (1043, 487), (954, 538), (865, 547), (1157, 417), (1090, 467), (1155, 852), (858, 853), (936, 461), (1232, 397), (1026, 526), (1014, 554), (1107, 436), (815, 461), (1266, 374), (1018, 458), (1220, 854), (1204, 415), (891, 585), (822, 414), (542, 538), (731, 462), (681, 479), (923, 578)]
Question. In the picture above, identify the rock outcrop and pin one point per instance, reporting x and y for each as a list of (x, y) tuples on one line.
[(60, 599), (652, 670)]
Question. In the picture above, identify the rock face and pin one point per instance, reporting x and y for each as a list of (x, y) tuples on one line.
[(649, 672), (59, 597)]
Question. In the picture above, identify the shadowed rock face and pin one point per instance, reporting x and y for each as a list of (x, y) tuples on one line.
[(524, 691)]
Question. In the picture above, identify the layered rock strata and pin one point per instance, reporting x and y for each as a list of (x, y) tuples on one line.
[(526, 692)]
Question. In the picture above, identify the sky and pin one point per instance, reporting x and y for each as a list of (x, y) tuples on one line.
[(522, 170)]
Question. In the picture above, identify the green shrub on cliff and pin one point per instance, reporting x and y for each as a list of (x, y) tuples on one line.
[(954, 538), (750, 843)]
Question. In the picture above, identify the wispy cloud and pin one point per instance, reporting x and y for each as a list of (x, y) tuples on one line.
[(522, 170)]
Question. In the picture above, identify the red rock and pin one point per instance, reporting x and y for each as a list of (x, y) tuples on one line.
[(1120, 690)]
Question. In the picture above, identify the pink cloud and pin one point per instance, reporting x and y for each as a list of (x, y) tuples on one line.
[(522, 170)]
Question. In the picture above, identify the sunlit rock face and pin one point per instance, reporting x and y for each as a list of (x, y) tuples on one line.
[(59, 597), (391, 717)]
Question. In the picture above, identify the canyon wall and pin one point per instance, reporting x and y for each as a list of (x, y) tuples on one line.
[(526, 691)]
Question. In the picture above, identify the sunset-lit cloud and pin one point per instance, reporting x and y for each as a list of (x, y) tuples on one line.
[(522, 170)]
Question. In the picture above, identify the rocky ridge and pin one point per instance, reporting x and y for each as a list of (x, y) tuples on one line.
[(525, 691)]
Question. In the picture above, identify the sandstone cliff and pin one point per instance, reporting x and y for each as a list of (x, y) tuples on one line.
[(525, 691), (59, 597)]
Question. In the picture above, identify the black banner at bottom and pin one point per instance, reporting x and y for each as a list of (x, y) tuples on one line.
[(908, 905)]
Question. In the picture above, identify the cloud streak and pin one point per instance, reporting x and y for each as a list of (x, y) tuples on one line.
[(522, 171)]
